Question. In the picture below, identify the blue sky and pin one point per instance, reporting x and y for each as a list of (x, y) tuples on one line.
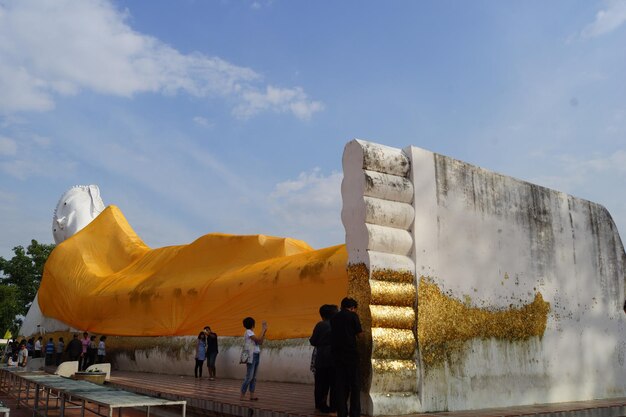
[(231, 116)]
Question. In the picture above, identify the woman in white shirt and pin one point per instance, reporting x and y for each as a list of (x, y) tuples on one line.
[(102, 351), (252, 344)]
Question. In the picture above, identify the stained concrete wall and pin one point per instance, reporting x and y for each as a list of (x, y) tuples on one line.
[(534, 276), (494, 242), (281, 360)]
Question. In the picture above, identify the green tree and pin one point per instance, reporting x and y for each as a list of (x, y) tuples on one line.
[(20, 280), (8, 308)]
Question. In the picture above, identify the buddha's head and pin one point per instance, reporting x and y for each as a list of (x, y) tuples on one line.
[(75, 210)]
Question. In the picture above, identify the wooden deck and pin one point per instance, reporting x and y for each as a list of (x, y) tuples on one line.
[(221, 397)]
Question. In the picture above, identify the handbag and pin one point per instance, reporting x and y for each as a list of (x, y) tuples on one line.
[(245, 355)]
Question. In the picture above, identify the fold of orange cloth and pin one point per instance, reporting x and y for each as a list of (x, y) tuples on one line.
[(105, 280)]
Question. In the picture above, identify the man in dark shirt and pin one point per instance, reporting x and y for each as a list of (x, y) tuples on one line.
[(323, 365), (345, 326), (74, 348)]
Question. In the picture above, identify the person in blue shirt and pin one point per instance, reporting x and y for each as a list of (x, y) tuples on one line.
[(200, 354), (50, 352)]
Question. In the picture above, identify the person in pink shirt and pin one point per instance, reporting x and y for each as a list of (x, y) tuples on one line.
[(84, 358)]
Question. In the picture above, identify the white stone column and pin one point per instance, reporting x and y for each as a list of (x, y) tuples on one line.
[(378, 215)]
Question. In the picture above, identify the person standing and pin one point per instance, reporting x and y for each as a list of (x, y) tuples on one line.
[(211, 351), (50, 352), (74, 349), (102, 349), (84, 357), (323, 364), (345, 327), (37, 348), (60, 349), (253, 344), (200, 354), (92, 351), (30, 347), (22, 356)]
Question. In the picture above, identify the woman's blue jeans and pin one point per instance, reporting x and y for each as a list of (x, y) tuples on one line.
[(250, 381)]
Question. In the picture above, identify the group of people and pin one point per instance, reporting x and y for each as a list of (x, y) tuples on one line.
[(86, 351), (206, 349), (19, 351), (335, 360), (16, 353)]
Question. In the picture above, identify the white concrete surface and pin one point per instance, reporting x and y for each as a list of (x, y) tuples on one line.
[(389, 261), (287, 361), (496, 241), (377, 215), (388, 213), (492, 241), (67, 369), (376, 157)]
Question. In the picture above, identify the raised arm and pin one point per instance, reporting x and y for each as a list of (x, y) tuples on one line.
[(260, 339)]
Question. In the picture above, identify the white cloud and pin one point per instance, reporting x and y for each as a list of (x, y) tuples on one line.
[(41, 141), (8, 146), (257, 5), (7, 198), (310, 207), (613, 164), (282, 100), (33, 157), (578, 175), (607, 20), (202, 121), (60, 47), (40, 166)]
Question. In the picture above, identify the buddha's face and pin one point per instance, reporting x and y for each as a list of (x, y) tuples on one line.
[(75, 210)]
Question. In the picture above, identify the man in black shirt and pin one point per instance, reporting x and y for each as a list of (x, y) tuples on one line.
[(324, 365), (345, 326), (74, 348)]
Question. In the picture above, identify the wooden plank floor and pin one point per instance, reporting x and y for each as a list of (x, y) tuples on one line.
[(221, 397)]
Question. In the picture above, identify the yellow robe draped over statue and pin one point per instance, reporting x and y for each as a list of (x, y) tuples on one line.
[(105, 280)]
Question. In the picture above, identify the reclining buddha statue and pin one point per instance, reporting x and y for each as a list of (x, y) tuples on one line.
[(103, 278)]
